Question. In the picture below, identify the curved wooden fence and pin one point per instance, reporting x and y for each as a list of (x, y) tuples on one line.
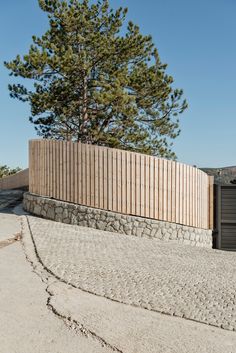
[(121, 181), (15, 181)]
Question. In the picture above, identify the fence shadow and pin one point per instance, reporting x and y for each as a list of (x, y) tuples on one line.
[(9, 199)]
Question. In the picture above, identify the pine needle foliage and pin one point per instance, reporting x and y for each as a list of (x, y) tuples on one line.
[(97, 82)]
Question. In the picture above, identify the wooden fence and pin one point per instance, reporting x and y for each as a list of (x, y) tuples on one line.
[(121, 181), (15, 181)]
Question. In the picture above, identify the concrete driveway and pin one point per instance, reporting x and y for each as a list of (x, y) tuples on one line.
[(73, 289)]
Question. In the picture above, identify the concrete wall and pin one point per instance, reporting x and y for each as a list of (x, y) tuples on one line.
[(115, 222), (15, 181)]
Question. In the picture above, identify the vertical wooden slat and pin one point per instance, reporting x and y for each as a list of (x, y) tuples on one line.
[(142, 185), (54, 160), (201, 200), (184, 194), (187, 195), (60, 186), (147, 186), (151, 187), (80, 170), (105, 179), (38, 168), (31, 166), (92, 176), (177, 194), (123, 183), (194, 197), (83, 173), (165, 190), (114, 181), (181, 193), (109, 178), (76, 196), (72, 172), (119, 182), (67, 172), (101, 172), (96, 182), (138, 184), (133, 183), (169, 191), (35, 166), (190, 196), (52, 171), (198, 198), (59, 169), (87, 175), (64, 170), (204, 201), (156, 189), (173, 193), (42, 169), (47, 167), (161, 188), (128, 184)]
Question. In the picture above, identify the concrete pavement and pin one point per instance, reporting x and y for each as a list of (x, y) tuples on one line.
[(27, 322), (73, 289), (176, 279), (120, 327)]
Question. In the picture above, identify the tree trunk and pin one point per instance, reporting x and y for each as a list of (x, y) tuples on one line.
[(85, 106)]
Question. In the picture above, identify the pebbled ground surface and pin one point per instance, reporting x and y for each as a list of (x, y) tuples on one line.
[(197, 284)]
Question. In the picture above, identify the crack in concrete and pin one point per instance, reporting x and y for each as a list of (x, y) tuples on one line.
[(72, 324), (106, 297), (78, 327)]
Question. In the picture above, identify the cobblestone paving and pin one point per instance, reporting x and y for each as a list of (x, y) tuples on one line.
[(176, 279)]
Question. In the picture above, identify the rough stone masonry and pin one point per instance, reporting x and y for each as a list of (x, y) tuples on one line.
[(115, 222)]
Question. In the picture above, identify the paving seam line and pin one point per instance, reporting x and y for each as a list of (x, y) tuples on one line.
[(111, 299), (47, 277)]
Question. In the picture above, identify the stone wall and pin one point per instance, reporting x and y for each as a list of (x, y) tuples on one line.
[(115, 222)]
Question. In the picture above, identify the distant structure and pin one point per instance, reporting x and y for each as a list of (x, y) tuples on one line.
[(223, 176)]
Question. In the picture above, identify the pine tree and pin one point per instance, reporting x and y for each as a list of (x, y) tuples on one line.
[(95, 85)]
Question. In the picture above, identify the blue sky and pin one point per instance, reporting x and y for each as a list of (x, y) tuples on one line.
[(197, 39)]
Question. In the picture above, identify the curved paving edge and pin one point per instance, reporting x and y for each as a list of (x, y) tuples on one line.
[(23, 308), (51, 281), (195, 283), (127, 329)]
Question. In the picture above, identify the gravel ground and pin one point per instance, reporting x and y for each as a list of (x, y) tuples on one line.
[(194, 283)]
